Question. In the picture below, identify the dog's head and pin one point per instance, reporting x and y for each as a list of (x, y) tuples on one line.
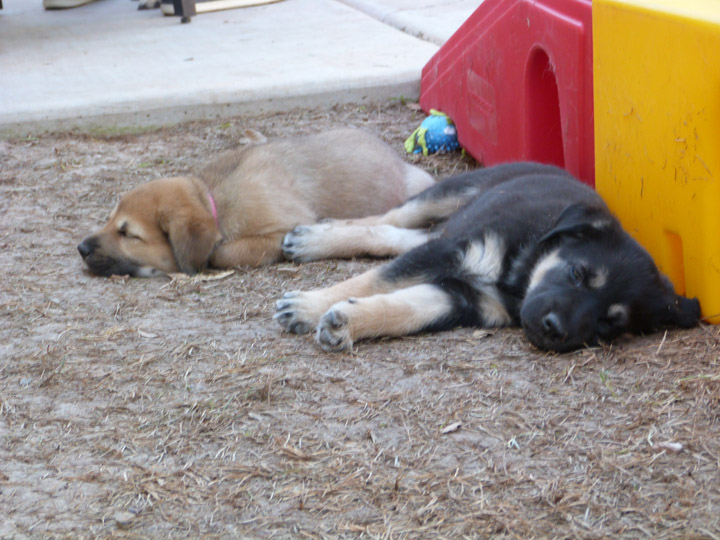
[(594, 283), (160, 227)]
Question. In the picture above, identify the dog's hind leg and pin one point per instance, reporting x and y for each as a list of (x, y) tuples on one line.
[(248, 251)]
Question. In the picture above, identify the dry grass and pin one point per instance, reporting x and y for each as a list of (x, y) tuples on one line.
[(157, 408)]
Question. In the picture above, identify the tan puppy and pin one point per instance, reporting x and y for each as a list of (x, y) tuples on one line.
[(236, 211)]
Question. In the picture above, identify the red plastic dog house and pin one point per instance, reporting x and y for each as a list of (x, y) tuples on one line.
[(517, 80)]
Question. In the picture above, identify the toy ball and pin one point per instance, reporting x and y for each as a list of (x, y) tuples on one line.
[(436, 134)]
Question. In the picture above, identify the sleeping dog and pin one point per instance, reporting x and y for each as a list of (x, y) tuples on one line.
[(237, 210), (517, 244)]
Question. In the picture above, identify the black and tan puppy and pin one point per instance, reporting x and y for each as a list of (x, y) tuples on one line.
[(236, 211), (520, 244)]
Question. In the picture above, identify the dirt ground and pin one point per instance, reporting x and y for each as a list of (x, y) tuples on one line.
[(174, 408)]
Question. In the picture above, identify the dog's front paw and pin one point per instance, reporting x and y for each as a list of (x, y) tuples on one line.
[(333, 330), (305, 242), (299, 312)]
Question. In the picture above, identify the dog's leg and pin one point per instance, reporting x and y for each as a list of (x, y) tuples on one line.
[(395, 232), (248, 251), (436, 286), (299, 312), (329, 240), (457, 286), (399, 313)]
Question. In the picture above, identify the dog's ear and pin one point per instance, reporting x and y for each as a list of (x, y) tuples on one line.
[(252, 136), (192, 238), (580, 220), (660, 307), (684, 312), (678, 310)]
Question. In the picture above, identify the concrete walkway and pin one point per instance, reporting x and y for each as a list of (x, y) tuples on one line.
[(106, 66)]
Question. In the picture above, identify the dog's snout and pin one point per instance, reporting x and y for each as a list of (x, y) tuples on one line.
[(552, 327), (86, 247)]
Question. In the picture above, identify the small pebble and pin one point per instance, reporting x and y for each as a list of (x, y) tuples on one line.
[(124, 519)]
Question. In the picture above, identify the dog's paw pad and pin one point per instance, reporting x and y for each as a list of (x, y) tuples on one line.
[(333, 333)]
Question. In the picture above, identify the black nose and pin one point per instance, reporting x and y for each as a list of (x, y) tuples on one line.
[(552, 326), (86, 247)]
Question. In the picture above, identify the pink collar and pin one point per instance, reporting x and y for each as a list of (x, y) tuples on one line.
[(213, 208)]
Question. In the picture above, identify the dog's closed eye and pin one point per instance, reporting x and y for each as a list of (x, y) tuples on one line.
[(124, 232), (577, 275)]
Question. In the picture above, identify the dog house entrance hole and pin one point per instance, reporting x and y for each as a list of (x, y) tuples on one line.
[(543, 128)]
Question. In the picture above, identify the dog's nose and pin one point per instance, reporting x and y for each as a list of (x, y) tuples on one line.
[(552, 326), (85, 248)]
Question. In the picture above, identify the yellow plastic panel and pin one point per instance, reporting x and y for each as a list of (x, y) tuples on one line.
[(657, 133)]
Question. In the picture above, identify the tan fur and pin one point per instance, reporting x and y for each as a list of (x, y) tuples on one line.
[(300, 312), (363, 306), (397, 313), (337, 240), (309, 306), (261, 192), (385, 235)]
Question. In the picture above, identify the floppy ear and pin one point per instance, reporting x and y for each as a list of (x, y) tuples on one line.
[(680, 311), (581, 221), (661, 308), (192, 238), (685, 312)]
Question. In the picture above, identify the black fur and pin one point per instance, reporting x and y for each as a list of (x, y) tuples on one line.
[(518, 244), (536, 210)]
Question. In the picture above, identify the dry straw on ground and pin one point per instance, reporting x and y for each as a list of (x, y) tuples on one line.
[(176, 408)]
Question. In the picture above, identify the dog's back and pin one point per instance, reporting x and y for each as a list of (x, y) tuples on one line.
[(343, 173), (517, 205), (476, 182), (354, 173)]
